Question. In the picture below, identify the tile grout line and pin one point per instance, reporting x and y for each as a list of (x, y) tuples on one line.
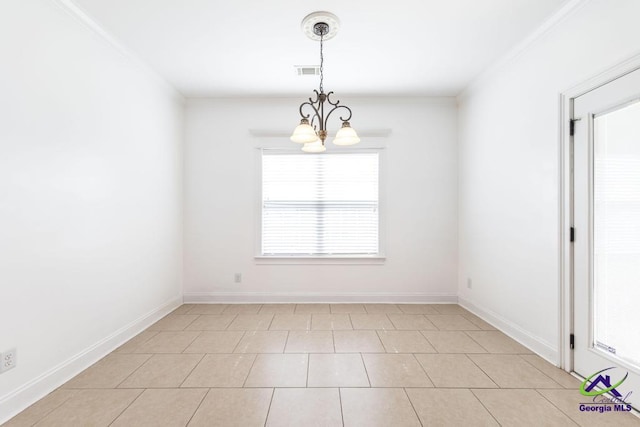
[(128, 406), (426, 319), (381, 342), (235, 316), (47, 413), (192, 369), (471, 316), (341, 410), (198, 333), (204, 396), (134, 371), (286, 342), (137, 345), (482, 370), (435, 350), (543, 373), (430, 343), (477, 342), (394, 325), (438, 311), (483, 405), (189, 324), (306, 383), (148, 339), (273, 392), (424, 370), (309, 326), (244, 383), (366, 371), (386, 315), (273, 316), (244, 333), (412, 407), (556, 406)]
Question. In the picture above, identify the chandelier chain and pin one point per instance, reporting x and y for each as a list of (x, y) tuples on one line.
[(321, 62)]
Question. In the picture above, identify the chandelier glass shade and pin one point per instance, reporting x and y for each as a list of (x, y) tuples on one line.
[(315, 113), (304, 133)]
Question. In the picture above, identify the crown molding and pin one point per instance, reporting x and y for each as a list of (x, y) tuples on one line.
[(571, 7), (73, 10)]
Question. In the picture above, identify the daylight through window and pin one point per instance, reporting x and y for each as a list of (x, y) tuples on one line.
[(320, 205)]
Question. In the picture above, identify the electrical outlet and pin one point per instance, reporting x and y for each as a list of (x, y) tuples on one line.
[(237, 278), (8, 360), (469, 283)]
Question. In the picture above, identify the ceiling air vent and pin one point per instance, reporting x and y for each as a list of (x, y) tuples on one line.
[(307, 70)]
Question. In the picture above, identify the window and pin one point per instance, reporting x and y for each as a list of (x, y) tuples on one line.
[(320, 205)]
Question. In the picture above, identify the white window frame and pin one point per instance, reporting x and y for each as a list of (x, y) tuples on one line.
[(378, 258)]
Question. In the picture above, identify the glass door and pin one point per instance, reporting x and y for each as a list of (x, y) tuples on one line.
[(607, 241)]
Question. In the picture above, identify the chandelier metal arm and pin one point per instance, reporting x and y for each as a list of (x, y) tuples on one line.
[(316, 113), (317, 97), (341, 118), (318, 110), (311, 103), (336, 105), (329, 99)]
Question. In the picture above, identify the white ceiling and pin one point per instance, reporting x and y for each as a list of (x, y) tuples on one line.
[(250, 47)]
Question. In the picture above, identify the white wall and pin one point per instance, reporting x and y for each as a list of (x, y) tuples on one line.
[(509, 169), (90, 195), (419, 188)]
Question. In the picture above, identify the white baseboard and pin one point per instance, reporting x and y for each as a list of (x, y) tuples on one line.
[(16, 401), (532, 342), (317, 297)]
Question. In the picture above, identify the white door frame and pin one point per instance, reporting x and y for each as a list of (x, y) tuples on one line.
[(565, 300)]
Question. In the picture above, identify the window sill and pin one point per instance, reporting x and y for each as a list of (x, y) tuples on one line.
[(320, 260)]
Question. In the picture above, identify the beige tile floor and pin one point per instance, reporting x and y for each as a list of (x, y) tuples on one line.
[(318, 365)]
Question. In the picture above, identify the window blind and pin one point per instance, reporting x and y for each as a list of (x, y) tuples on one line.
[(616, 206), (320, 204)]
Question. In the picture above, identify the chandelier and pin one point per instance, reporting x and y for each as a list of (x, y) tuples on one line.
[(313, 133)]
